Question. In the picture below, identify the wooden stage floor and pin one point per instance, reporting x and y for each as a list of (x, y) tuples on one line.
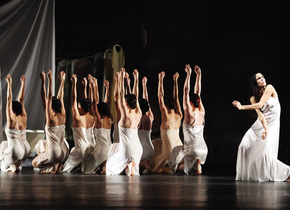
[(212, 190)]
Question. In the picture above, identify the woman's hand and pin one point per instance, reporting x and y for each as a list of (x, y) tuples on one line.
[(264, 135), (238, 105)]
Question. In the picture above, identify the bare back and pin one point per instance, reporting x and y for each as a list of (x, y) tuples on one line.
[(145, 123), (131, 119), (170, 121), (84, 121)]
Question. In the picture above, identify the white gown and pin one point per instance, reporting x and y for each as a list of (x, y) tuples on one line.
[(100, 153), (257, 158), (130, 150), (84, 146), (114, 148), (15, 149), (53, 149), (194, 148), (145, 139), (170, 139)]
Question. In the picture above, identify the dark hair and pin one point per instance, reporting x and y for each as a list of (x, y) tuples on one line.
[(131, 100), (170, 103), (16, 107), (144, 106), (254, 88), (56, 104), (103, 109), (86, 104), (195, 99)]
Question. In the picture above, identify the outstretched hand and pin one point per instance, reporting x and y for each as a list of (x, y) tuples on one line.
[(74, 78), (135, 74), (188, 69), (106, 83), (175, 76), (161, 75), (197, 70), (144, 80), (9, 79), (49, 75), (42, 75), (237, 104), (22, 79)]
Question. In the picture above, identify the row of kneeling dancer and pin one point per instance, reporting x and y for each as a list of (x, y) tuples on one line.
[(132, 151)]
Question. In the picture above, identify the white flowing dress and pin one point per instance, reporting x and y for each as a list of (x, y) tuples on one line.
[(15, 149), (53, 149), (194, 148), (145, 139), (257, 158), (84, 146), (170, 139), (129, 150), (100, 153)]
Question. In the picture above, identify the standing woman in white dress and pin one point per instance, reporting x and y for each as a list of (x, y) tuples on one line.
[(258, 150), (189, 157), (16, 149)]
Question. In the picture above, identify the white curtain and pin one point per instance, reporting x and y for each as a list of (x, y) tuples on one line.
[(27, 46)]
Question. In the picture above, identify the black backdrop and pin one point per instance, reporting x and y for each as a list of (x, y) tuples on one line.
[(230, 41)]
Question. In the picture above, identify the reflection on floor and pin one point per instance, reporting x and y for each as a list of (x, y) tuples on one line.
[(212, 190)]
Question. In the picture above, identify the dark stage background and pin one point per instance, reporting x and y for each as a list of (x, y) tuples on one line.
[(230, 41)]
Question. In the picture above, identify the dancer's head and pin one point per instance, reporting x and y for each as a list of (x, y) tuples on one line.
[(56, 104), (131, 101), (257, 82), (169, 103), (16, 107), (144, 106), (85, 104), (103, 109), (195, 100)]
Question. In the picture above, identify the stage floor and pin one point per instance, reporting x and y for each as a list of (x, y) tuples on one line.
[(212, 190)]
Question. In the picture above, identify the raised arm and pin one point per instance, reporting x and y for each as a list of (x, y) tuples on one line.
[(9, 111), (175, 94), (22, 94), (136, 83), (48, 110), (94, 87), (85, 85), (121, 93), (127, 84), (145, 96), (116, 77), (162, 107), (270, 90), (74, 108), (136, 90), (107, 94), (43, 90), (60, 93), (186, 88), (197, 86)]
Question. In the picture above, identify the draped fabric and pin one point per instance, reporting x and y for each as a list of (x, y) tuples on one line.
[(27, 46)]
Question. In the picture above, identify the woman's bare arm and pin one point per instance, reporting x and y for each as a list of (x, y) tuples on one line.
[(9, 112), (261, 118), (22, 94), (175, 93), (197, 86), (269, 91)]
